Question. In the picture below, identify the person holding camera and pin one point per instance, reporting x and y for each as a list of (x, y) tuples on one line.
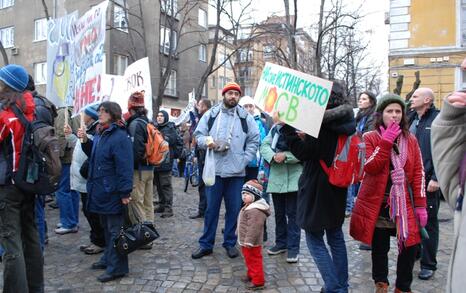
[(234, 136)]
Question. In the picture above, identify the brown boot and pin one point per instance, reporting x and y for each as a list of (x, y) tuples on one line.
[(399, 291), (381, 287)]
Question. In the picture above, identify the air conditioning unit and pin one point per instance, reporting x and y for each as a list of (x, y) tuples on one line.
[(394, 74), (433, 60), (14, 51)]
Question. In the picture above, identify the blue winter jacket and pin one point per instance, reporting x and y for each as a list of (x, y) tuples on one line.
[(110, 170)]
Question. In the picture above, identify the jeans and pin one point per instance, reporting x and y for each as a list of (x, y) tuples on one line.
[(404, 265), (40, 219), (23, 262), (333, 268), (430, 246), (68, 200), (163, 183), (201, 188), (351, 195), (117, 264), (230, 190), (97, 236), (287, 232)]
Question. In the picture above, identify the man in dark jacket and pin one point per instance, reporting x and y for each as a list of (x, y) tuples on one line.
[(163, 173), (321, 206), (421, 118), (141, 204)]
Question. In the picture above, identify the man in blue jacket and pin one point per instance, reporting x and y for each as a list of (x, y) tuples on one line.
[(421, 118), (233, 135)]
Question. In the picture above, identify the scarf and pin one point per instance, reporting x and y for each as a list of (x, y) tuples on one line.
[(397, 198)]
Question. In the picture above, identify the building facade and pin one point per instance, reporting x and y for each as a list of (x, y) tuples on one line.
[(133, 32), (429, 38)]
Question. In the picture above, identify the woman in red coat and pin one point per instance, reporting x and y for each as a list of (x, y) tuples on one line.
[(385, 207)]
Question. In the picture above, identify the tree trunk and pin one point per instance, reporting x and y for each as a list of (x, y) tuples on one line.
[(291, 33), (4, 55), (318, 54), (46, 10)]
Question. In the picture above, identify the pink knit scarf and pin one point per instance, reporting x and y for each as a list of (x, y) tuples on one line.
[(397, 199)]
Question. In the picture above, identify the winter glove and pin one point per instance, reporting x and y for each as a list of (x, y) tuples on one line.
[(421, 215), (391, 133)]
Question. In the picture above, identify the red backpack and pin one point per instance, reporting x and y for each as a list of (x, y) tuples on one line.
[(348, 164)]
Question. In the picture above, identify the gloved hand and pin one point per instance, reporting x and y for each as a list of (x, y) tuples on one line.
[(391, 133), (421, 215)]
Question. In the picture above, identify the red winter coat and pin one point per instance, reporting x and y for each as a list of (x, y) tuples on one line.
[(371, 192), (9, 124)]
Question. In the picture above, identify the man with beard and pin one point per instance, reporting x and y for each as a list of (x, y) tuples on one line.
[(233, 135)]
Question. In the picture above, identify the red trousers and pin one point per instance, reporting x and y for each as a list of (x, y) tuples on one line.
[(254, 264)]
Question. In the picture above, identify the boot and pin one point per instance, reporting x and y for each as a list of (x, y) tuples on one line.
[(381, 287), (167, 213), (399, 291)]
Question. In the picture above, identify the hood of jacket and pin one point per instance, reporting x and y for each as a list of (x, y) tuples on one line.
[(165, 118), (340, 120), (260, 204)]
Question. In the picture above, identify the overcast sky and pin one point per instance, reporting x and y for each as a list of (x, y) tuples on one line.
[(373, 22)]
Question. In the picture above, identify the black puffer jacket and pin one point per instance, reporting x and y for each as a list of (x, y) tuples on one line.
[(320, 205), (45, 111), (137, 128), (171, 135)]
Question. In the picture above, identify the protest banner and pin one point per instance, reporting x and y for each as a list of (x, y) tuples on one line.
[(117, 88), (60, 60), (88, 46), (299, 98), (184, 116)]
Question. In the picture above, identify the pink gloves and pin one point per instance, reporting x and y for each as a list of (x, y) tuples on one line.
[(421, 215), (391, 133)]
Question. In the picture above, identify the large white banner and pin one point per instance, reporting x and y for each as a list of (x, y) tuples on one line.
[(299, 98), (136, 78)]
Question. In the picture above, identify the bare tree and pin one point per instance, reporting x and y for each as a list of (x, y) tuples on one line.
[(46, 10), (4, 55), (290, 28)]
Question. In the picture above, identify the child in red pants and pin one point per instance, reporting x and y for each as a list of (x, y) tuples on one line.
[(251, 221)]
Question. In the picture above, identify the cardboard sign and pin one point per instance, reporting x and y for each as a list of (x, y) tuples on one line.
[(60, 60), (299, 98)]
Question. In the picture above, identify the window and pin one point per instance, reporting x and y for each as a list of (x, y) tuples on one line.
[(170, 90), (463, 23), (268, 51), (40, 73), (166, 35), (245, 55), (204, 90), (202, 18), (7, 36), (6, 3), (170, 7), (119, 16), (40, 29), (202, 53), (120, 62), (214, 82)]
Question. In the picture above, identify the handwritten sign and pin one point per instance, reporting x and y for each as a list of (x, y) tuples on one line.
[(299, 98)]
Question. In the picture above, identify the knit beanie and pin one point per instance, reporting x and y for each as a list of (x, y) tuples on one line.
[(388, 99), (91, 111), (254, 188), (14, 76), (136, 100), (231, 86), (246, 100)]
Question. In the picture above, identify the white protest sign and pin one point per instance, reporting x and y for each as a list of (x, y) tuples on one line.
[(299, 98)]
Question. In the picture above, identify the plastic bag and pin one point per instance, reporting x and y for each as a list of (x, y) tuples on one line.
[(208, 174)]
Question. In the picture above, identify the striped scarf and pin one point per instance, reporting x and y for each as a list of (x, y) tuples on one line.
[(397, 198)]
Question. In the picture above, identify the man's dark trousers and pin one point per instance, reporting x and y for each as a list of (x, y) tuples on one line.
[(23, 260), (430, 246)]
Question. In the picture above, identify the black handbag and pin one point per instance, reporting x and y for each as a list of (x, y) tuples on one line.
[(133, 237)]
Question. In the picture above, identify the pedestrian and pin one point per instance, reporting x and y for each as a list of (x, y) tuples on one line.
[(321, 206), (109, 184), (285, 170), (420, 122), (67, 199), (23, 263), (449, 157), (78, 182), (251, 221), (391, 199), (202, 107), (163, 173), (142, 197), (233, 135)]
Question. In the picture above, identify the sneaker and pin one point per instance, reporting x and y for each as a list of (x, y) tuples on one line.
[(275, 250), (83, 247), (93, 249), (366, 247), (292, 257), (62, 231), (253, 287), (59, 225)]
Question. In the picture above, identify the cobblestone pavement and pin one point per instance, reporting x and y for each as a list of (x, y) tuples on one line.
[(168, 267)]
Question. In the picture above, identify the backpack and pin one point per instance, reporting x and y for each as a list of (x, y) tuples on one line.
[(157, 148), (39, 168), (348, 163)]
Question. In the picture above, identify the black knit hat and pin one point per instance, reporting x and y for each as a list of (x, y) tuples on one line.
[(388, 99), (254, 188), (337, 95)]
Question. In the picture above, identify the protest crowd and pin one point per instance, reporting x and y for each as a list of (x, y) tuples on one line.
[(401, 158)]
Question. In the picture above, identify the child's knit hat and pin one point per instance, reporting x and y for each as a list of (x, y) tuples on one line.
[(254, 188)]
